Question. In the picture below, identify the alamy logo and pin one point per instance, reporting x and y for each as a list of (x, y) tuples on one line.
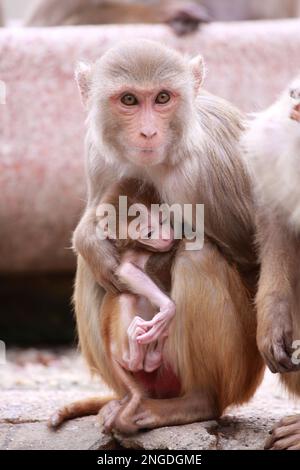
[(2, 353), (139, 222), (2, 92)]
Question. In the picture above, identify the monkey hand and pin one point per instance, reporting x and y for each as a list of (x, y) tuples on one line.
[(158, 326), (134, 354), (275, 340), (145, 357), (104, 267)]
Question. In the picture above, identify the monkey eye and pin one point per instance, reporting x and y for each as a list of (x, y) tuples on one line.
[(129, 100), (163, 97)]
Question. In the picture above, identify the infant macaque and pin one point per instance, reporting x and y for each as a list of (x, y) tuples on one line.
[(144, 270)]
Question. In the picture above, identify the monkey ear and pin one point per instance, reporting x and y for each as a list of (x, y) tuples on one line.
[(198, 69), (83, 74)]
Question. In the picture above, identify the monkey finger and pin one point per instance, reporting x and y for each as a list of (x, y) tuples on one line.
[(134, 330), (152, 335), (138, 322), (283, 360), (283, 437)]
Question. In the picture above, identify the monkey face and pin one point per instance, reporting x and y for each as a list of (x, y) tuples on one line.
[(146, 120), (140, 97)]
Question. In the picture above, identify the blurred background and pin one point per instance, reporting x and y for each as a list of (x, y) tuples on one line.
[(16, 8), (42, 123), (251, 49)]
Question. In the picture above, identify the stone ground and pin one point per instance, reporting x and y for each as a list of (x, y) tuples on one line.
[(34, 383)]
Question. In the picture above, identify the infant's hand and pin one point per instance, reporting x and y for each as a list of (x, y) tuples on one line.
[(158, 327)]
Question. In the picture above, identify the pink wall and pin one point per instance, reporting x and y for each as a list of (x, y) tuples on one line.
[(42, 124)]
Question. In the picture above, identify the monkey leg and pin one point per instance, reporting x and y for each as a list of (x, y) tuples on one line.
[(90, 406), (211, 345), (286, 434)]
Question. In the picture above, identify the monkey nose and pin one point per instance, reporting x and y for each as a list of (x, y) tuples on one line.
[(148, 133)]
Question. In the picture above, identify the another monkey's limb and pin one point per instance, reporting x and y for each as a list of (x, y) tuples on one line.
[(100, 255), (272, 142), (285, 435), (170, 412), (275, 294), (141, 284)]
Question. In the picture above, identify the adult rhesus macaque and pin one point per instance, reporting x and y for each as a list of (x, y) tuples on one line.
[(273, 150), (183, 15), (148, 117)]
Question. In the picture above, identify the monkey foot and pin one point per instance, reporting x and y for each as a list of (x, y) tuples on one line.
[(108, 415), (285, 435)]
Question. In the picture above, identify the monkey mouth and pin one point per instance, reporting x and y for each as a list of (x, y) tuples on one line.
[(147, 149)]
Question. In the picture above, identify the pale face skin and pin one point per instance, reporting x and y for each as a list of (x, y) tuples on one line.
[(145, 117), (156, 237)]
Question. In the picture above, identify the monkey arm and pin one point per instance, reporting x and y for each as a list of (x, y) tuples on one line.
[(140, 283), (275, 293), (101, 255)]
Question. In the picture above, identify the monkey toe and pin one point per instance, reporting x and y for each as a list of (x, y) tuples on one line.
[(125, 424), (284, 437), (146, 420), (55, 420), (287, 420), (285, 434), (108, 414)]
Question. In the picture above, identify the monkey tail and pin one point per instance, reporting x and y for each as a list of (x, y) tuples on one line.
[(87, 407)]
